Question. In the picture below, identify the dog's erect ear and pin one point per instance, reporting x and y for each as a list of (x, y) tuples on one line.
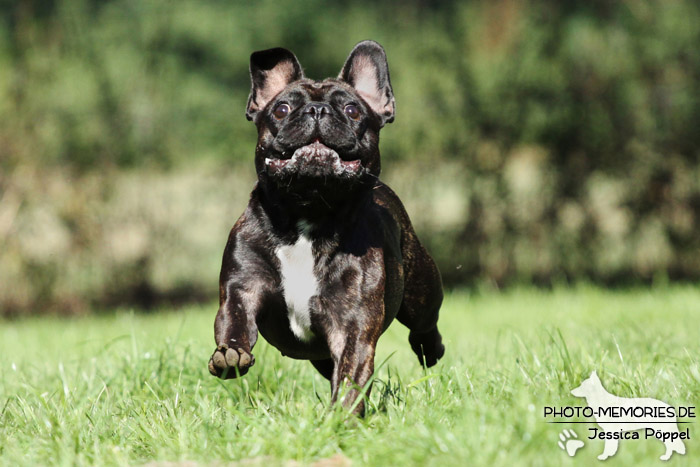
[(594, 375), (367, 71), (271, 71)]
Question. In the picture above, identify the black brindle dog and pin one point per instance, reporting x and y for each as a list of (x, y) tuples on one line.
[(324, 257)]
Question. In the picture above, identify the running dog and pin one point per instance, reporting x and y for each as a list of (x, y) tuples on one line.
[(324, 257)]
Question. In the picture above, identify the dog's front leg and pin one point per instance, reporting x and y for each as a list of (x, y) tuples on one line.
[(235, 332), (610, 449)]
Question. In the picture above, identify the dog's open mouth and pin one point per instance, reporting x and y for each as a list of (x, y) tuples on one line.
[(315, 159)]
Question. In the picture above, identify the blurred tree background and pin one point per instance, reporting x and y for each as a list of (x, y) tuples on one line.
[(534, 141)]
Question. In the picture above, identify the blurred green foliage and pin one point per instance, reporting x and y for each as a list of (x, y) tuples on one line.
[(536, 141)]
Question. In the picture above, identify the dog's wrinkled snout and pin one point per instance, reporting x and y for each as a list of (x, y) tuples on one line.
[(317, 109)]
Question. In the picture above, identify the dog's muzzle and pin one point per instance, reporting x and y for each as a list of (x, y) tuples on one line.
[(315, 159)]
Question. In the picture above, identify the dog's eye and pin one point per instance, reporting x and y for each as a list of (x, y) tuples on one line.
[(281, 111), (352, 111)]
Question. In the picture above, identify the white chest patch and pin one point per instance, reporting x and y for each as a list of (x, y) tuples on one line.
[(299, 283)]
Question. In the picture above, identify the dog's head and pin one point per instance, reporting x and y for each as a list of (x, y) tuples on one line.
[(319, 140), (588, 386)]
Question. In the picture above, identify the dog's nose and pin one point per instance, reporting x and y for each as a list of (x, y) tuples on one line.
[(317, 109)]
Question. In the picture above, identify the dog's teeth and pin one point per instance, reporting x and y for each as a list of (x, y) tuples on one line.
[(267, 161)]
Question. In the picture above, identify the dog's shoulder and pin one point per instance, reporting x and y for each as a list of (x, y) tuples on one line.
[(385, 197)]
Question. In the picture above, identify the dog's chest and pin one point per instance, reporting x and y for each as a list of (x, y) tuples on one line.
[(299, 283)]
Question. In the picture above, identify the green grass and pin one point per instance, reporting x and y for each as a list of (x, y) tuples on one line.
[(131, 388)]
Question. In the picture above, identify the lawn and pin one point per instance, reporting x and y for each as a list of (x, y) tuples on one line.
[(125, 387)]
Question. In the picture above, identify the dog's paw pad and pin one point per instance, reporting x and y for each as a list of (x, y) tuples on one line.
[(246, 359), (232, 357), (568, 442), (229, 363)]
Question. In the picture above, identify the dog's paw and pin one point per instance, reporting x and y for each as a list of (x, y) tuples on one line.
[(569, 443), (227, 362), (428, 347), (431, 358)]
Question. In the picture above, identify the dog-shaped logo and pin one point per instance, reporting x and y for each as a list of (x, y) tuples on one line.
[(639, 414)]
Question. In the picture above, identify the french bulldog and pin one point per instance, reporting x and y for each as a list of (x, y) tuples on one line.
[(324, 257)]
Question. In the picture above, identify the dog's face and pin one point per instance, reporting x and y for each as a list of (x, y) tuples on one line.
[(587, 386), (319, 139)]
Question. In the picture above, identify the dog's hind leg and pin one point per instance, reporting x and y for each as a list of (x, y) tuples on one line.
[(679, 446), (669, 451), (673, 446), (353, 368)]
